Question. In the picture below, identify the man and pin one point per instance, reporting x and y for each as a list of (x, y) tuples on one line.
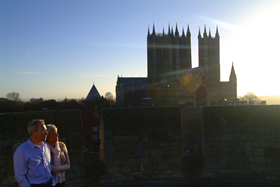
[(32, 158)]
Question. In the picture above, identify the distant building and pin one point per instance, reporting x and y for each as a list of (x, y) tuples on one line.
[(91, 122), (172, 80), (130, 91), (93, 94), (36, 100), (231, 102)]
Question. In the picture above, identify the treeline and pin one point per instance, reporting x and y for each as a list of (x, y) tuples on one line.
[(8, 105)]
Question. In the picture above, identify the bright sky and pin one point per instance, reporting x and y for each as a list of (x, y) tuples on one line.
[(56, 49)]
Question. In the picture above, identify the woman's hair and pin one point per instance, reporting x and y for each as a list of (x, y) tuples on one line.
[(50, 127), (33, 125)]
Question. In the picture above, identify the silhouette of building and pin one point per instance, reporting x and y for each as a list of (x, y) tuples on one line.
[(93, 94), (172, 80)]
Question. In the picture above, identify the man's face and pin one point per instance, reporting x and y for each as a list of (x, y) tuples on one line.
[(41, 133)]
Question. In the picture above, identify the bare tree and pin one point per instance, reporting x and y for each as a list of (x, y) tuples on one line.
[(109, 96), (251, 98), (13, 96)]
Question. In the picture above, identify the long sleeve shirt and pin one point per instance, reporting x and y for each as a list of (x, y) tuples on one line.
[(32, 164)]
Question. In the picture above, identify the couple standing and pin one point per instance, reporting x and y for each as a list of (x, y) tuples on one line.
[(39, 163)]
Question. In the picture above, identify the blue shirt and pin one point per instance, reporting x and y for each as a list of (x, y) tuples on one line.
[(32, 164)]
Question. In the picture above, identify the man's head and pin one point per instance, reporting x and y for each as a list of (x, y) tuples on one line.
[(37, 130)]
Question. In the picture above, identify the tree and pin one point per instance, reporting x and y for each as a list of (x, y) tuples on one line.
[(109, 97), (251, 98), (13, 96)]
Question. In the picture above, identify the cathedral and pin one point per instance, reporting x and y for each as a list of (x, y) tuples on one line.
[(171, 79)]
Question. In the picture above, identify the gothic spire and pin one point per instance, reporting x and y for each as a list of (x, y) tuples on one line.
[(168, 29), (148, 31), (205, 33), (232, 76), (172, 31), (188, 32), (183, 32), (209, 33), (154, 32), (176, 31), (163, 31), (217, 32), (199, 35)]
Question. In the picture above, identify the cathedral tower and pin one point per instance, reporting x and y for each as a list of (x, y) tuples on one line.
[(167, 55), (209, 54)]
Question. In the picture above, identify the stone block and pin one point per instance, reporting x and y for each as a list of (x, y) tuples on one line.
[(136, 138), (272, 152), (135, 167), (123, 154), (223, 137), (119, 162), (248, 148), (256, 144), (74, 159), (258, 167), (112, 170), (263, 138), (9, 181), (75, 140), (107, 134), (150, 166), (144, 160), (111, 180), (172, 150), (240, 137), (209, 175), (155, 152), (5, 147), (258, 152), (125, 147), (122, 139), (267, 144), (271, 178), (140, 150), (154, 159), (144, 135), (125, 169), (122, 179), (73, 151), (257, 160), (162, 166)]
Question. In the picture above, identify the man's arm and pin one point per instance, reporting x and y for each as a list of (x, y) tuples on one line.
[(20, 167)]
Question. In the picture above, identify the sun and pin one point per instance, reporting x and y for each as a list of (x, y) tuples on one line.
[(256, 49)]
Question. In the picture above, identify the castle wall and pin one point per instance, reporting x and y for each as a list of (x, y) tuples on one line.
[(242, 142), (239, 143), (13, 132), (141, 144)]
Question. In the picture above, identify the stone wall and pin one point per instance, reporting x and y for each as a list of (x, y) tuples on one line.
[(13, 132), (242, 142), (141, 144)]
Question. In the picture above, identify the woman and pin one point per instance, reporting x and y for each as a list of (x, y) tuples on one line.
[(60, 158)]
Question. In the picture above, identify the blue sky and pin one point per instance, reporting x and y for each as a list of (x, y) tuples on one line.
[(56, 49)]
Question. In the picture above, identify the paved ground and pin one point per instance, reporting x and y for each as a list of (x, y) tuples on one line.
[(196, 183)]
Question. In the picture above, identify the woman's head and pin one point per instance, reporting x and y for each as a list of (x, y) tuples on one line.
[(52, 134)]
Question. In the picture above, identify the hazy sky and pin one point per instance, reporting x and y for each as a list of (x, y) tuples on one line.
[(58, 48)]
